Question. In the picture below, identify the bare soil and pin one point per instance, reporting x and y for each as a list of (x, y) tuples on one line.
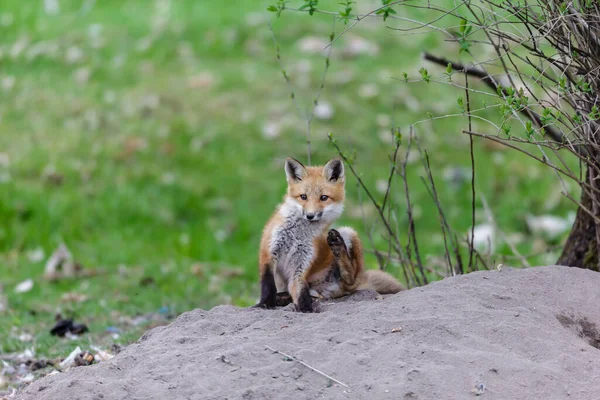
[(510, 334)]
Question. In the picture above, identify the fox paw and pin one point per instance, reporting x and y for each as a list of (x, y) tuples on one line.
[(336, 242), (263, 305), (305, 303), (283, 299)]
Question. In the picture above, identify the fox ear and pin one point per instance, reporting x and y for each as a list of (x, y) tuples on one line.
[(334, 170), (294, 170)]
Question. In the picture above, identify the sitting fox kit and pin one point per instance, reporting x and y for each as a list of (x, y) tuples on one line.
[(300, 256)]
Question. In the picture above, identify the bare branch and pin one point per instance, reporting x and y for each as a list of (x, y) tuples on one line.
[(486, 78)]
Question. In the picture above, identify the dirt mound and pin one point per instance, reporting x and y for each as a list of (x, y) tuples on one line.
[(513, 334)]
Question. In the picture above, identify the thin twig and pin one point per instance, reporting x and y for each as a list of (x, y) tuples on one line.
[(534, 254), (543, 161), (307, 366), (472, 173), (489, 80), (397, 246), (309, 114), (283, 72), (408, 259), (443, 223), (398, 261), (320, 90), (369, 229), (412, 235), (392, 170), (501, 232)]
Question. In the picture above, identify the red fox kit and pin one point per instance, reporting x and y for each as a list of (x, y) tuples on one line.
[(300, 256)]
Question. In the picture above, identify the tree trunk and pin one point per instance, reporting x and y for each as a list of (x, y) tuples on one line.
[(581, 248)]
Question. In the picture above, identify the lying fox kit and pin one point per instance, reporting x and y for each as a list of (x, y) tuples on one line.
[(297, 253)]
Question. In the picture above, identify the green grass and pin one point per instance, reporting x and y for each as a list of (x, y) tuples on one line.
[(165, 171)]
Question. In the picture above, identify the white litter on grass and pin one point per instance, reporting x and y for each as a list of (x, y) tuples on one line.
[(74, 55), (6, 19), (71, 336), (67, 362), (256, 18), (24, 286), (549, 226), (82, 75), (60, 263), (382, 185), (342, 77), (4, 160), (323, 110), (36, 255), (383, 120), (313, 45), (25, 337), (4, 177), (51, 7), (7, 369), (271, 129), (358, 46), (27, 355), (484, 238), (168, 178), (8, 82), (456, 176), (368, 91), (101, 355), (27, 378), (386, 136)]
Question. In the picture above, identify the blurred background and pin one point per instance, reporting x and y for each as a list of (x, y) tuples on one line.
[(142, 146)]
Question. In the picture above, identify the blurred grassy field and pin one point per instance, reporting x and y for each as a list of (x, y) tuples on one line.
[(149, 136)]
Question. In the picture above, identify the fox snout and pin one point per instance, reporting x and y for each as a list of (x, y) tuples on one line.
[(313, 216)]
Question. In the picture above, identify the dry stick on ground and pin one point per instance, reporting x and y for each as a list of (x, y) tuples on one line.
[(307, 366)]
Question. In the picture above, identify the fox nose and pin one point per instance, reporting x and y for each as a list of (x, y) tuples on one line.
[(310, 216)]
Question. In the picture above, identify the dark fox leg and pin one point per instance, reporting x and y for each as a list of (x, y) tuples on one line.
[(304, 302), (349, 265), (283, 299), (300, 293), (268, 290)]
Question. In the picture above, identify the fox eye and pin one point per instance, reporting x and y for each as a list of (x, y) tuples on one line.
[(303, 197), (324, 198)]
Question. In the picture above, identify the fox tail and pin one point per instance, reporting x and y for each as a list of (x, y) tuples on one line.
[(381, 282)]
